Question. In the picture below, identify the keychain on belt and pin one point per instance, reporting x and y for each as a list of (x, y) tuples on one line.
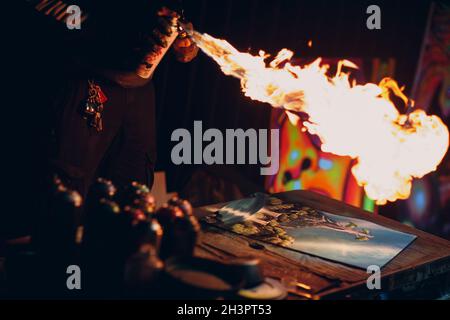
[(93, 111)]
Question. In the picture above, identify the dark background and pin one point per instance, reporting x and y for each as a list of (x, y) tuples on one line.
[(199, 90)]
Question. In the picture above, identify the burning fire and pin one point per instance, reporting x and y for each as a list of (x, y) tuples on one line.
[(359, 121)]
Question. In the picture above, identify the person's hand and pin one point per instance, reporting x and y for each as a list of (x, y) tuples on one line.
[(160, 38), (166, 25), (185, 49)]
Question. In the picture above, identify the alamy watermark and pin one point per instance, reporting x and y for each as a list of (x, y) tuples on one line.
[(374, 280), (73, 281), (61, 11), (73, 20), (236, 146), (374, 20)]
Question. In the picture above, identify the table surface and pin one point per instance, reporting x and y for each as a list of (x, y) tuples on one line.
[(427, 257)]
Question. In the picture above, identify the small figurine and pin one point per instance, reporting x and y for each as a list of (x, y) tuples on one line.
[(102, 189), (180, 227), (137, 195)]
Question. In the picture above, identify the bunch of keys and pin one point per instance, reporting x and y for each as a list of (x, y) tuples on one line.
[(94, 106)]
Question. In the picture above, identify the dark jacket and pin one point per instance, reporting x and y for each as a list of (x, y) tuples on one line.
[(54, 65)]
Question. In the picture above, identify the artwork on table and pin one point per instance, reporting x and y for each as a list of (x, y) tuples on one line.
[(294, 226)]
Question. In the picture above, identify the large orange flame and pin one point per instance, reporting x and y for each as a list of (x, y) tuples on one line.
[(359, 121)]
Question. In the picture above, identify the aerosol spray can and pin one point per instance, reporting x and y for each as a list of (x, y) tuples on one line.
[(164, 36)]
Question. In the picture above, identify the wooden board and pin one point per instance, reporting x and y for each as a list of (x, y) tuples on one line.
[(426, 260)]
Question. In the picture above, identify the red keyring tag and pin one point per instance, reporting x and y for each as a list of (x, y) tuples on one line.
[(102, 98)]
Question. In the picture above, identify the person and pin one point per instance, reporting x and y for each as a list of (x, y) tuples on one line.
[(89, 107)]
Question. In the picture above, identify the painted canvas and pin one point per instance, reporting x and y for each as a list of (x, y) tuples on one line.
[(294, 226)]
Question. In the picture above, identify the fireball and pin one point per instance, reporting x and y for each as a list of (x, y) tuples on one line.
[(359, 121)]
